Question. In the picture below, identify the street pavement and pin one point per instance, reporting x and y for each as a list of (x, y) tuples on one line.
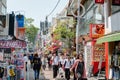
[(48, 75)]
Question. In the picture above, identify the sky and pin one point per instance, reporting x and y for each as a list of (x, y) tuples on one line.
[(36, 9)]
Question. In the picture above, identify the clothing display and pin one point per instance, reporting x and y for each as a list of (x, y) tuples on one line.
[(115, 61), (1, 72)]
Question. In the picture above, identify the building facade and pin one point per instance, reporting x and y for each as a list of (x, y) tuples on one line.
[(3, 7)]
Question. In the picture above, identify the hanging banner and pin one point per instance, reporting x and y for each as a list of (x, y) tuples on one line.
[(12, 44)]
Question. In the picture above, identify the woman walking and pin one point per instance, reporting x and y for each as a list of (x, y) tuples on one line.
[(36, 66), (79, 67)]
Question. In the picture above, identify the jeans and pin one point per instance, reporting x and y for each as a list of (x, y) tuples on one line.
[(36, 74)]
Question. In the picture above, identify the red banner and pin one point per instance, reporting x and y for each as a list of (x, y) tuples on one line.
[(12, 44), (99, 1), (96, 30)]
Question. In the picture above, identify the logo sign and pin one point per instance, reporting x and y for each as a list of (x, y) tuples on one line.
[(96, 30), (99, 1), (20, 20), (116, 2), (12, 44)]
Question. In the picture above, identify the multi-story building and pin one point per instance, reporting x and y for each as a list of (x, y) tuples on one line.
[(3, 10), (106, 16), (44, 33), (3, 7)]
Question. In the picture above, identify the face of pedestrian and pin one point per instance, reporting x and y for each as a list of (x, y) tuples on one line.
[(81, 57)]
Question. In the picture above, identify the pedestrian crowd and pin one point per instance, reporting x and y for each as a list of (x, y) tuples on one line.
[(63, 66), (69, 65)]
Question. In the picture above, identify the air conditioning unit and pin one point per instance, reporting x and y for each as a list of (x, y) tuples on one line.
[(113, 23)]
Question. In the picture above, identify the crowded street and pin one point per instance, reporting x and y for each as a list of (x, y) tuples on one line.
[(59, 39)]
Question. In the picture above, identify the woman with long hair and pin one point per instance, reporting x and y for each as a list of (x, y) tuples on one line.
[(79, 67)]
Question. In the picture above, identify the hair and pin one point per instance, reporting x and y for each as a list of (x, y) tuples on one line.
[(35, 55), (78, 56), (24, 54)]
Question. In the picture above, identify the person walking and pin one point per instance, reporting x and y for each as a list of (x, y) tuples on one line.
[(67, 66), (31, 60), (36, 66), (79, 67), (55, 62), (44, 61)]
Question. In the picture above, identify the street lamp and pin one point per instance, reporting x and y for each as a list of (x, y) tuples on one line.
[(78, 21)]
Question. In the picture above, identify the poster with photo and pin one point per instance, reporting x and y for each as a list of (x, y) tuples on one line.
[(98, 51)]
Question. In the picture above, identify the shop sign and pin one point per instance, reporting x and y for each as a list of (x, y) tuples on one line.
[(116, 2), (96, 30), (99, 1), (12, 44)]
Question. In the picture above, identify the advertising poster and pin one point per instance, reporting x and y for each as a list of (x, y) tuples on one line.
[(1, 56), (98, 51), (20, 66)]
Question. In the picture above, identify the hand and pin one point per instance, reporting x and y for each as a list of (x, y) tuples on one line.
[(70, 70)]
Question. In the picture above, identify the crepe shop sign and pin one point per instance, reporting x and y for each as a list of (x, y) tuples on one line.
[(96, 30), (12, 44)]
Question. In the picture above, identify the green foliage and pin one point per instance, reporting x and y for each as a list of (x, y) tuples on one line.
[(63, 32), (31, 30)]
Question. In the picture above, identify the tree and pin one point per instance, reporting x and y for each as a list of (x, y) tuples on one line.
[(31, 30), (64, 34)]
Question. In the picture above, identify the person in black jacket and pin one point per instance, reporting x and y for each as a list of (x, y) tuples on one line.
[(1, 72), (36, 66)]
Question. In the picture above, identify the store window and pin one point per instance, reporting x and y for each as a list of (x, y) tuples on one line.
[(3, 10), (115, 62)]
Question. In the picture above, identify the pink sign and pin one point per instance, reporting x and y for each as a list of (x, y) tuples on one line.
[(12, 44)]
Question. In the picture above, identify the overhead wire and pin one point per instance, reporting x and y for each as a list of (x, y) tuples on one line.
[(53, 8)]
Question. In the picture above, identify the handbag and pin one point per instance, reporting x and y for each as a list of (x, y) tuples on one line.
[(78, 75)]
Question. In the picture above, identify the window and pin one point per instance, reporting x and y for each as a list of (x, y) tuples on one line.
[(3, 10), (115, 9)]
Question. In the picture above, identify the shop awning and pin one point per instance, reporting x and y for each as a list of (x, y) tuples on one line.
[(109, 38)]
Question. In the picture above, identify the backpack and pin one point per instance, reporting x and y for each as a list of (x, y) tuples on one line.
[(80, 69), (66, 62)]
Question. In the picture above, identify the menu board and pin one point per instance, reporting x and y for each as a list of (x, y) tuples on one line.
[(98, 51)]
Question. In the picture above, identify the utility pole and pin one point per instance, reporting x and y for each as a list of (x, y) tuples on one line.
[(78, 22), (77, 28)]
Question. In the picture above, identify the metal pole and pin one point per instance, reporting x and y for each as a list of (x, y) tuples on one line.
[(106, 14), (77, 28)]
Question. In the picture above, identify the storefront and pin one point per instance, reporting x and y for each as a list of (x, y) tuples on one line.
[(112, 53), (98, 50)]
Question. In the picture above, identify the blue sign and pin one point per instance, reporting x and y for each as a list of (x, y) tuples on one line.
[(20, 20)]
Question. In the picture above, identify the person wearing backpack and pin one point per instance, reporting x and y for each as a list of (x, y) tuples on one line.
[(36, 65), (67, 66), (79, 67)]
